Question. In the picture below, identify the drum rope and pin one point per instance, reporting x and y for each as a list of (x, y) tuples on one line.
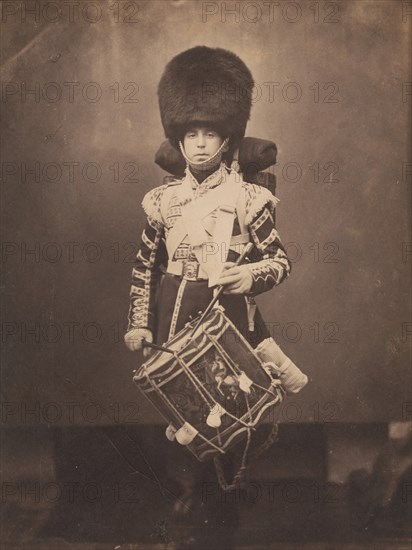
[(270, 440), (239, 476), (256, 453)]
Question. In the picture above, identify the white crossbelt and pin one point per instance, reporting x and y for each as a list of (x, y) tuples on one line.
[(183, 267), (209, 241)]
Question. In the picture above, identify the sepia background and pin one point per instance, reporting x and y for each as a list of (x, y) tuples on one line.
[(80, 128)]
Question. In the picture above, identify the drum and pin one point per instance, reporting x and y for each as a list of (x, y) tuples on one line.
[(210, 386)]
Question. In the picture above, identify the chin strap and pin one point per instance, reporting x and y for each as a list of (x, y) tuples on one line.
[(207, 163)]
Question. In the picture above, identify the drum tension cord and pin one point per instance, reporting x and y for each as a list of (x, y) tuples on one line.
[(240, 475)]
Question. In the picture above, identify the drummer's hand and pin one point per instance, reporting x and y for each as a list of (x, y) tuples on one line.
[(134, 339), (235, 279)]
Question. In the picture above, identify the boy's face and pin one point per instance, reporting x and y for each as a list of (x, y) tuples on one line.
[(201, 143)]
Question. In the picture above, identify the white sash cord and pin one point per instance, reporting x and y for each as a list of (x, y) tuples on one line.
[(209, 236)]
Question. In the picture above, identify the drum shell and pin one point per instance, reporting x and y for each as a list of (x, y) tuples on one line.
[(183, 386)]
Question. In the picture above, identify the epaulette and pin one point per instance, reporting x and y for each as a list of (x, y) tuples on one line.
[(257, 198), (152, 201)]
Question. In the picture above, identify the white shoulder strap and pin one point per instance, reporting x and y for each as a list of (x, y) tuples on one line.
[(211, 249)]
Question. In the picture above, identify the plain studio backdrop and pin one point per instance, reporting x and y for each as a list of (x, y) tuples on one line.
[(80, 128)]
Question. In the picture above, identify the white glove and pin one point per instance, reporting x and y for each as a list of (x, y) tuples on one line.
[(235, 279), (134, 339)]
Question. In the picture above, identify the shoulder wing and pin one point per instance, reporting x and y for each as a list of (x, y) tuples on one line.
[(256, 199), (152, 201)]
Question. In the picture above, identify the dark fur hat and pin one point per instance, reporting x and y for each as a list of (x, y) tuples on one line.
[(205, 85)]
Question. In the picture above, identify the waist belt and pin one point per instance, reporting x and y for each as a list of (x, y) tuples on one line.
[(187, 269)]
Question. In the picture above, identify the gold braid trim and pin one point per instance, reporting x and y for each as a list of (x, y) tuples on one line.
[(152, 203), (257, 198)]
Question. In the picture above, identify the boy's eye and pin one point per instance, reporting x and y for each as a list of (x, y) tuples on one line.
[(190, 135)]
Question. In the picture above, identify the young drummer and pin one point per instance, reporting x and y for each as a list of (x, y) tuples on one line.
[(198, 225)]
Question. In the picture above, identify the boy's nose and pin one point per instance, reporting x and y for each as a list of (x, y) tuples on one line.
[(201, 142)]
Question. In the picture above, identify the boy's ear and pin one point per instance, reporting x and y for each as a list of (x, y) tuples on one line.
[(225, 148)]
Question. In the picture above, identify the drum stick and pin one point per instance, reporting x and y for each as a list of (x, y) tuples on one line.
[(220, 288), (147, 344)]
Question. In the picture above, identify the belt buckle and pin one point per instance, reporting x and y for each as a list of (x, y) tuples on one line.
[(190, 270)]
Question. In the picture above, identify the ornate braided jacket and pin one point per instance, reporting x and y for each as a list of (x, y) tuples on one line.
[(191, 230)]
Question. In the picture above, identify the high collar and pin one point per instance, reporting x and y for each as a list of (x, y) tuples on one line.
[(213, 180), (202, 174)]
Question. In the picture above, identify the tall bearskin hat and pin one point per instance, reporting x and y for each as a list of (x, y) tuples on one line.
[(205, 85)]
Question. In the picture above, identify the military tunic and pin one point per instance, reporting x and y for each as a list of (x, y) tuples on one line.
[(169, 288)]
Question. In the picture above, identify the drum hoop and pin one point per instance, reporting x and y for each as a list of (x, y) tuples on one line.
[(224, 323), (172, 366)]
